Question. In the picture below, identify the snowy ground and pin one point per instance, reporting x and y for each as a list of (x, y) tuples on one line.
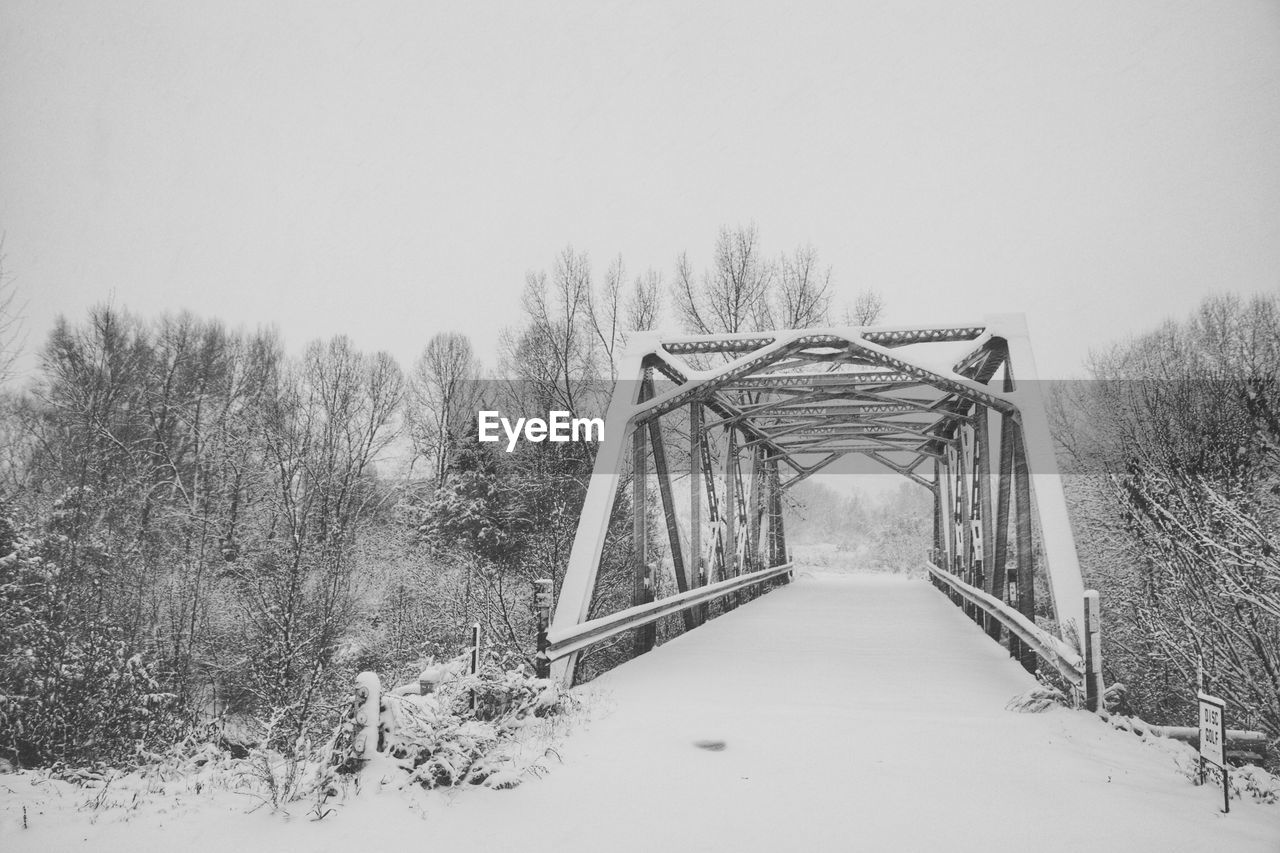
[(840, 713)]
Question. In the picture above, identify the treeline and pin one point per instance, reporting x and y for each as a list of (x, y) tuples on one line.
[(1172, 450), (191, 500), (197, 526), (886, 531)]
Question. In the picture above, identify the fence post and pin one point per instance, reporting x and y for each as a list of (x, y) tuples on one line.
[(1092, 652), (474, 666), (542, 605), (368, 715)]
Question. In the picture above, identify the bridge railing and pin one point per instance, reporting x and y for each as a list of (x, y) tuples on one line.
[(561, 643), (1083, 672)]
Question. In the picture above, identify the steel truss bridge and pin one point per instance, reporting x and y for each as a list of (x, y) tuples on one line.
[(956, 409)]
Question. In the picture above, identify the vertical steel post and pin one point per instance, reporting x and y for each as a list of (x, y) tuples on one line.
[(1026, 554), (959, 539), (1061, 563), (717, 567), (775, 513), (755, 518), (663, 473), (642, 590), (939, 526), (1000, 573), (964, 461), (777, 528), (755, 510), (729, 509), (947, 556), (697, 571), (983, 474)]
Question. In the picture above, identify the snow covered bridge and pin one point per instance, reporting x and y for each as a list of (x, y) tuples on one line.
[(931, 404)]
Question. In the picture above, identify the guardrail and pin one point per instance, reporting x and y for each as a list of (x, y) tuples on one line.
[(1070, 664), (1241, 747), (1084, 672), (578, 637)]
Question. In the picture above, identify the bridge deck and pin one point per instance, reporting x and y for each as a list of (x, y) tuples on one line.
[(860, 712)]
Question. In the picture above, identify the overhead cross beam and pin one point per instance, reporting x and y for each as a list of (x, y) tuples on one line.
[(962, 398)]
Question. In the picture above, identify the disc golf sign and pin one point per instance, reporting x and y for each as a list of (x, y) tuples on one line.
[(1213, 739)]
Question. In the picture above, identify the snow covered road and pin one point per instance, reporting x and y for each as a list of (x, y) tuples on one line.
[(843, 712)]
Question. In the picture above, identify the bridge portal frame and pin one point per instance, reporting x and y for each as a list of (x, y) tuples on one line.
[(957, 409)]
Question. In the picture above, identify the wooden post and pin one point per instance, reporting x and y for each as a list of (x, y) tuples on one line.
[(368, 694), (642, 591), (542, 607), (1093, 691), (475, 658)]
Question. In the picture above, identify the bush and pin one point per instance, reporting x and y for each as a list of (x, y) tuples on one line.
[(440, 741), (71, 691)]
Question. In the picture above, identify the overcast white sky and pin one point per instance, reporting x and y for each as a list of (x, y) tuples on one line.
[(391, 170)]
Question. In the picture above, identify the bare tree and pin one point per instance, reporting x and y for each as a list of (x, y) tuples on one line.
[(442, 395), (10, 321), (613, 316), (645, 303), (604, 311), (866, 310), (732, 295), (802, 296), (322, 426), (553, 355)]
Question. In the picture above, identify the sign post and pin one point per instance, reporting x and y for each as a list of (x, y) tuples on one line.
[(1213, 738)]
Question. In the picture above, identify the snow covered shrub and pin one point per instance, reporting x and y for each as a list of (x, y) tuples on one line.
[(1248, 782), (441, 742), (504, 691), (83, 699), (71, 690), (1255, 783), (277, 779), (1038, 699)]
